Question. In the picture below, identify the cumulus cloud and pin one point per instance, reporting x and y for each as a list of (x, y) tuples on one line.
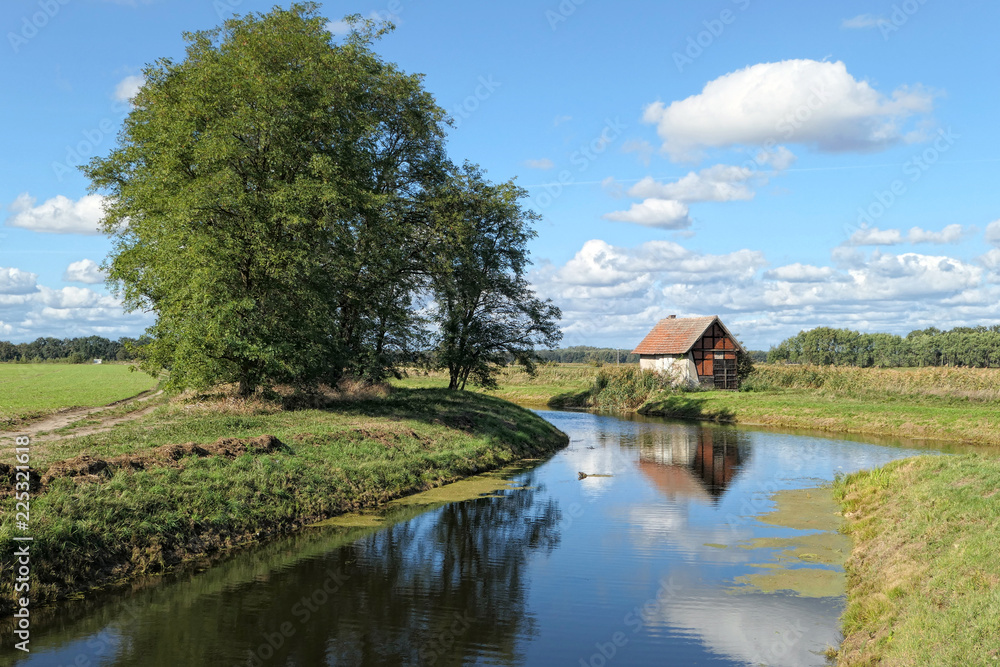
[(800, 273), (993, 233), (818, 104), (950, 234), (85, 271), (612, 295), (652, 212), (868, 236), (59, 215), (128, 88), (719, 183), (67, 312), (543, 163), (15, 282), (341, 27)]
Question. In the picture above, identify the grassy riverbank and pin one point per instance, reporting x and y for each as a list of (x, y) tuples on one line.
[(924, 575), (957, 404), (960, 404), (30, 391), (200, 475)]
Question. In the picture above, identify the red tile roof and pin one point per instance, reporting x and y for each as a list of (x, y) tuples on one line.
[(676, 336)]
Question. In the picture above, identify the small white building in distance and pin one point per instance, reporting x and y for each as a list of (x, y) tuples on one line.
[(695, 350)]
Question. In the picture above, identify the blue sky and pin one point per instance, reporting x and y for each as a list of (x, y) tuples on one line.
[(783, 164)]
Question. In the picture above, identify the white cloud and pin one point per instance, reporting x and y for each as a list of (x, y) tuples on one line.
[(993, 233), (719, 183), (818, 104), (612, 295), (85, 271), (338, 27), (660, 213), (129, 87), (15, 281), (341, 27), (950, 234), (875, 236), (779, 158), (800, 273), (559, 120), (59, 215), (543, 163), (991, 260), (862, 21), (67, 312)]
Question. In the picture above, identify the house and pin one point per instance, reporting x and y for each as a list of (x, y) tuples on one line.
[(695, 350)]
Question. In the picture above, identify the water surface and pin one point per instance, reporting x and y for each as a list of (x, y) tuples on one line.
[(645, 561)]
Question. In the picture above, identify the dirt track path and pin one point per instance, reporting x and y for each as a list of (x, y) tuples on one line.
[(68, 416)]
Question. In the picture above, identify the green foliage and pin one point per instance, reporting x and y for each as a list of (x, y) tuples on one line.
[(261, 203), (486, 311), (977, 347)]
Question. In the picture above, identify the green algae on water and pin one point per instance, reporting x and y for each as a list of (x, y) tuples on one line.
[(813, 510)]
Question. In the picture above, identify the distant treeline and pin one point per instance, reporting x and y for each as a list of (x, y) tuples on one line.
[(584, 354), (977, 347), (70, 350)]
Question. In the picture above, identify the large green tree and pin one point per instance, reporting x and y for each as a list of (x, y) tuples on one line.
[(485, 311), (261, 202)]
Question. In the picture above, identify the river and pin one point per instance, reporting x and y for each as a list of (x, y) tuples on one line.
[(662, 552)]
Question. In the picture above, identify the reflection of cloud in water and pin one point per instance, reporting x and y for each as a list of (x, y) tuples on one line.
[(769, 629), (597, 461), (656, 526)]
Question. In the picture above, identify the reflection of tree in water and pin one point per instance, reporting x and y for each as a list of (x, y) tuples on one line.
[(692, 461), (430, 594), (439, 589)]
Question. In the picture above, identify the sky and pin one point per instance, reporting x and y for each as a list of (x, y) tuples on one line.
[(784, 165)]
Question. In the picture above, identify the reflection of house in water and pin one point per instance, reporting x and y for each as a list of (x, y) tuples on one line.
[(692, 462)]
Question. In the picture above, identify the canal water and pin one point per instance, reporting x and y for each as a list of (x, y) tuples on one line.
[(644, 542)]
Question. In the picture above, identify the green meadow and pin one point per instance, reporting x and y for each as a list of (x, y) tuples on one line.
[(29, 391)]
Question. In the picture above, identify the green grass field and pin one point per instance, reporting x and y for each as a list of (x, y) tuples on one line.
[(28, 391)]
